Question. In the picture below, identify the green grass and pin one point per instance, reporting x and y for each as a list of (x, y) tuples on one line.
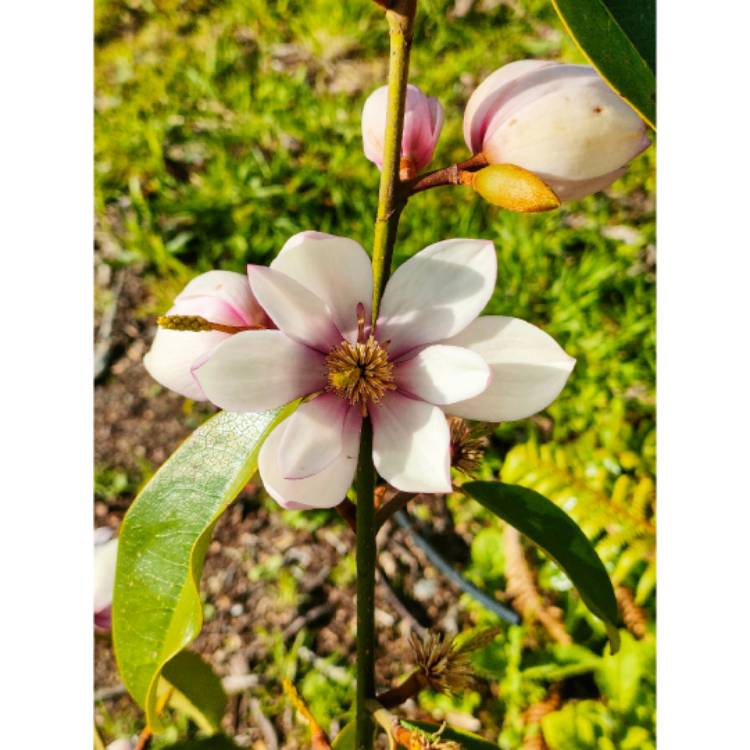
[(225, 126)]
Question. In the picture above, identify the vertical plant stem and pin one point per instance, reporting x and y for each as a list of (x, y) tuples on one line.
[(365, 487), (400, 19), (390, 199)]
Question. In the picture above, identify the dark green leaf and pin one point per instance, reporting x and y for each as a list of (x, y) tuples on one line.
[(619, 38), (163, 539), (556, 533), (198, 691)]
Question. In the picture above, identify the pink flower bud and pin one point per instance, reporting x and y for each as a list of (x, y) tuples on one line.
[(423, 120), (562, 122), (220, 297)]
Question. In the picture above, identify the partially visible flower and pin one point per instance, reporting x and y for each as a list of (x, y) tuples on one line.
[(105, 558), (426, 355), (423, 121), (222, 297), (121, 744), (562, 122)]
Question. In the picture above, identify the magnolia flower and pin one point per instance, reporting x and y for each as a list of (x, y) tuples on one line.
[(423, 121), (221, 297), (562, 122), (427, 354), (105, 558)]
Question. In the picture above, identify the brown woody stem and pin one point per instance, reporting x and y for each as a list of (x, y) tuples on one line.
[(409, 688), (455, 174)]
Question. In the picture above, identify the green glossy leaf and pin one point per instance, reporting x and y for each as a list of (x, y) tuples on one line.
[(467, 740), (346, 738), (557, 534), (197, 690), (619, 39), (156, 606)]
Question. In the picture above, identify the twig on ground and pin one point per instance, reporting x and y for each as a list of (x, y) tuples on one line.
[(103, 346), (447, 570), (303, 620), (265, 726), (397, 604)]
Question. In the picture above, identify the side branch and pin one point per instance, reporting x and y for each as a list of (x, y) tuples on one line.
[(455, 174)]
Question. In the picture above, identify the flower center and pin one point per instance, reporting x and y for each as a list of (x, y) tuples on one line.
[(359, 372)]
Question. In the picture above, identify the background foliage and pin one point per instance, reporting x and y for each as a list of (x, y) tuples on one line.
[(223, 127)]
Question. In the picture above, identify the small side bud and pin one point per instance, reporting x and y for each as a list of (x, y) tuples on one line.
[(512, 188)]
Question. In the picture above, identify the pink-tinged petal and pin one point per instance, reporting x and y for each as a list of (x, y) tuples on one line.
[(322, 490), (336, 269), (436, 293), (529, 369), (373, 125), (442, 374), (232, 288), (423, 120), (489, 96), (105, 560), (572, 128), (298, 312), (313, 437), (411, 444), (260, 370), (173, 355), (573, 190)]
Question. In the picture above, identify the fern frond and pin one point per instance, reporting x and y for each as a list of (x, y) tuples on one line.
[(617, 516), (524, 592)]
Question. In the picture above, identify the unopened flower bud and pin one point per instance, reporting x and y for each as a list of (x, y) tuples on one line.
[(513, 188), (423, 120), (562, 122)]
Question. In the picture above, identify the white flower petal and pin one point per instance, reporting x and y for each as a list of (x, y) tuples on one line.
[(411, 444), (489, 96), (105, 561), (313, 437), (573, 190), (260, 370), (233, 288), (336, 269), (443, 374), (529, 369), (570, 125), (298, 312), (322, 490), (436, 293), (172, 356)]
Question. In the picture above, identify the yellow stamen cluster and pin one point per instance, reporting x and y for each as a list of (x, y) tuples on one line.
[(360, 372), (196, 323)]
